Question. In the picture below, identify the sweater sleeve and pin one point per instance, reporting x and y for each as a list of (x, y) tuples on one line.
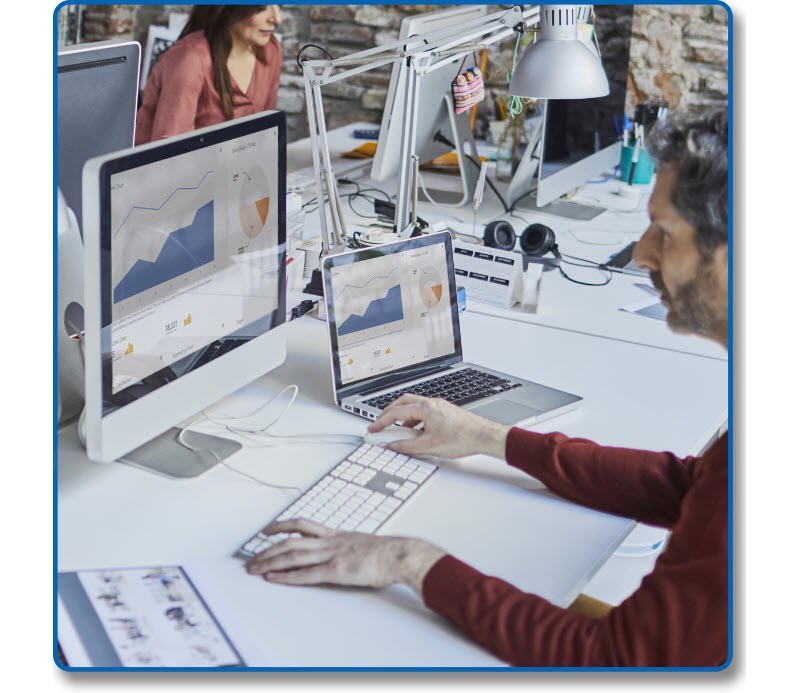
[(645, 486), (179, 83), (677, 617)]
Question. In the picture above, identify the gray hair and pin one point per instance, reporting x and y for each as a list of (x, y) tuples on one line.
[(698, 149)]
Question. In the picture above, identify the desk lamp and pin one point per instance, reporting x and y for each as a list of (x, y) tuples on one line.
[(557, 66)]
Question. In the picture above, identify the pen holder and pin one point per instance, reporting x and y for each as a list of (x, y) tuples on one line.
[(645, 168)]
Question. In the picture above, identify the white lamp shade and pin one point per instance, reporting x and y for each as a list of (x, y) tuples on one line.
[(558, 65)]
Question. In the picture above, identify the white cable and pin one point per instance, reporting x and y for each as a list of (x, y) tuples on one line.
[(571, 232), (263, 430), (222, 419), (428, 195)]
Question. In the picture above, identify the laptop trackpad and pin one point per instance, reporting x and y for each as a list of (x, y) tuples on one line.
[(505, 412)]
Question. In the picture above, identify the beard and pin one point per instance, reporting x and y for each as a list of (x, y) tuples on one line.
[(693, 307)]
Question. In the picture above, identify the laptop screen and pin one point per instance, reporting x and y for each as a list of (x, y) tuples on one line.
[(391, 309)]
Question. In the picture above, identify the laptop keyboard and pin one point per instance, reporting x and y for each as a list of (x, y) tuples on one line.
[(460, 387)]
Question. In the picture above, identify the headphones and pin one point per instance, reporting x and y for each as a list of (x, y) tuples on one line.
[(535, 241)]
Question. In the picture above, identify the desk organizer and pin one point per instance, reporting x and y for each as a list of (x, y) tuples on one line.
[(645, 168)]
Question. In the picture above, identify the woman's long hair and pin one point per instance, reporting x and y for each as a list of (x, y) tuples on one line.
[(215, 22)]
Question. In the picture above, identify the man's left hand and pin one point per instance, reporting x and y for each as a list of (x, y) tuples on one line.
[(323, 555)]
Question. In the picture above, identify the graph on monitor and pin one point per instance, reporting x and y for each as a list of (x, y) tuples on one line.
[(185, 249), (163, 237)]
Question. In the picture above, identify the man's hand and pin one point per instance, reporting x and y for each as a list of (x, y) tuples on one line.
[(449, 431), (324, 555)]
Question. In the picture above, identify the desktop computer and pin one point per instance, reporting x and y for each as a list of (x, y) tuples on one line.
[(96, 88), (185, 287), (97, 91), (438, 129), (573, 140)]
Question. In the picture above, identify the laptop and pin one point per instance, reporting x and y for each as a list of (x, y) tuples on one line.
[(394, 328)]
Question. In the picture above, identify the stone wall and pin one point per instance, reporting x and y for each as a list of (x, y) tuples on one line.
[(678, 54)]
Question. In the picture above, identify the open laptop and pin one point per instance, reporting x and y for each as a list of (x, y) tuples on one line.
[(394, 328)]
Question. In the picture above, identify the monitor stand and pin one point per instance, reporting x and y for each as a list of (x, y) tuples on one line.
[(468, 172), (167, 456), (561, 208)]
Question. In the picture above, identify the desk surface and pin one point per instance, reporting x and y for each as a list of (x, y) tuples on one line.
[(115, 516), (596, 309)]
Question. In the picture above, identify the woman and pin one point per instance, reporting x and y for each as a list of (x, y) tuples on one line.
[(226, 64)]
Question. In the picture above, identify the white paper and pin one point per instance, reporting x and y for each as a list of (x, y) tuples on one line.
[(155, 618), (650, 307)]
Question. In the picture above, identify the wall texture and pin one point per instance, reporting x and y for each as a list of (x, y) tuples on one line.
[(679, 53)]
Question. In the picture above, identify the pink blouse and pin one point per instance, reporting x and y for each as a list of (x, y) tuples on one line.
[(180, 95)]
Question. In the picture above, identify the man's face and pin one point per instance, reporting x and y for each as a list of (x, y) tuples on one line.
[(693, 288)]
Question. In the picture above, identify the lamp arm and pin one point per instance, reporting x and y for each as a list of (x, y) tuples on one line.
[(453, 42)]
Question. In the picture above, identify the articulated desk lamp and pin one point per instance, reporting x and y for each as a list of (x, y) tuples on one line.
[(556, 66)]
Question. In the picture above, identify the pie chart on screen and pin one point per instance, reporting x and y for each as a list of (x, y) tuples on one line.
[(254, 202), (431, 287)]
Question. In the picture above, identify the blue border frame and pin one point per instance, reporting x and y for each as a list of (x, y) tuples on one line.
[(731, 359)]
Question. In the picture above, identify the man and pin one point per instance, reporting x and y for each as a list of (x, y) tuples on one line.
[(678, 616)]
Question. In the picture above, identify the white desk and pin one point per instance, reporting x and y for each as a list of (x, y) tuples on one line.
[(117, 516), (591, 310)]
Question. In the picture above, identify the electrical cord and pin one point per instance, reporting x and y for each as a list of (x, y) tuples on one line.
[(590, 264), (571, 232), (256, 433), (299, 58), (577, 281), (521, 197), (439, 137)]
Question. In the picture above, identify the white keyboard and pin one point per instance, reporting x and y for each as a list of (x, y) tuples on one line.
[(358, 495)]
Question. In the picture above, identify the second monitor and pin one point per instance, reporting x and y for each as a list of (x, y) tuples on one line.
[(439, 129)]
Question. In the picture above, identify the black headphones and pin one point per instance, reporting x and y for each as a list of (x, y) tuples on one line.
[(535, 241)]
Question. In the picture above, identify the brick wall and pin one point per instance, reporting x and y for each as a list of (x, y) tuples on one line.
[(678, 53)]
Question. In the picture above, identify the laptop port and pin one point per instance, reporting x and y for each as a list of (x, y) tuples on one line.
[(347, 407), (356, 410)]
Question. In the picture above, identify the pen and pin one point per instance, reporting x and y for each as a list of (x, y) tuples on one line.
[(634, 159)]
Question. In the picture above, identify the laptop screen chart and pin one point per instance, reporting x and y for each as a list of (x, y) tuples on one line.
[(392, 311)]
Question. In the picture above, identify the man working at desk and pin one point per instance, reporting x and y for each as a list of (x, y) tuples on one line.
[(678, 616)]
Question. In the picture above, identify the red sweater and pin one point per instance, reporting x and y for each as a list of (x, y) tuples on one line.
[(180, 95), (677, 617)]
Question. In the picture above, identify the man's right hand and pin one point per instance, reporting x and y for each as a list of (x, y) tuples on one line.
[(448, 431)]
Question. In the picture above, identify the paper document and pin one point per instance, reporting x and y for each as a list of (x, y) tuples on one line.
[(139, 617), (650, 307)]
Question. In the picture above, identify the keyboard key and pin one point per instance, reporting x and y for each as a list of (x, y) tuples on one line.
[(368, 526), (344, 503)]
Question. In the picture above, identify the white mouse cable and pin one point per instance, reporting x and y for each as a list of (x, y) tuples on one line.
[(263, 430), (332, 438)]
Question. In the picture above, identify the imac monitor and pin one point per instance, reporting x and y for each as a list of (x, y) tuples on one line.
[(433, 115), (98, 85), (184, 286), (581, 137)]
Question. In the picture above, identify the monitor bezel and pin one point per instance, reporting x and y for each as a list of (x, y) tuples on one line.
[(403, 373), (109, 433)]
